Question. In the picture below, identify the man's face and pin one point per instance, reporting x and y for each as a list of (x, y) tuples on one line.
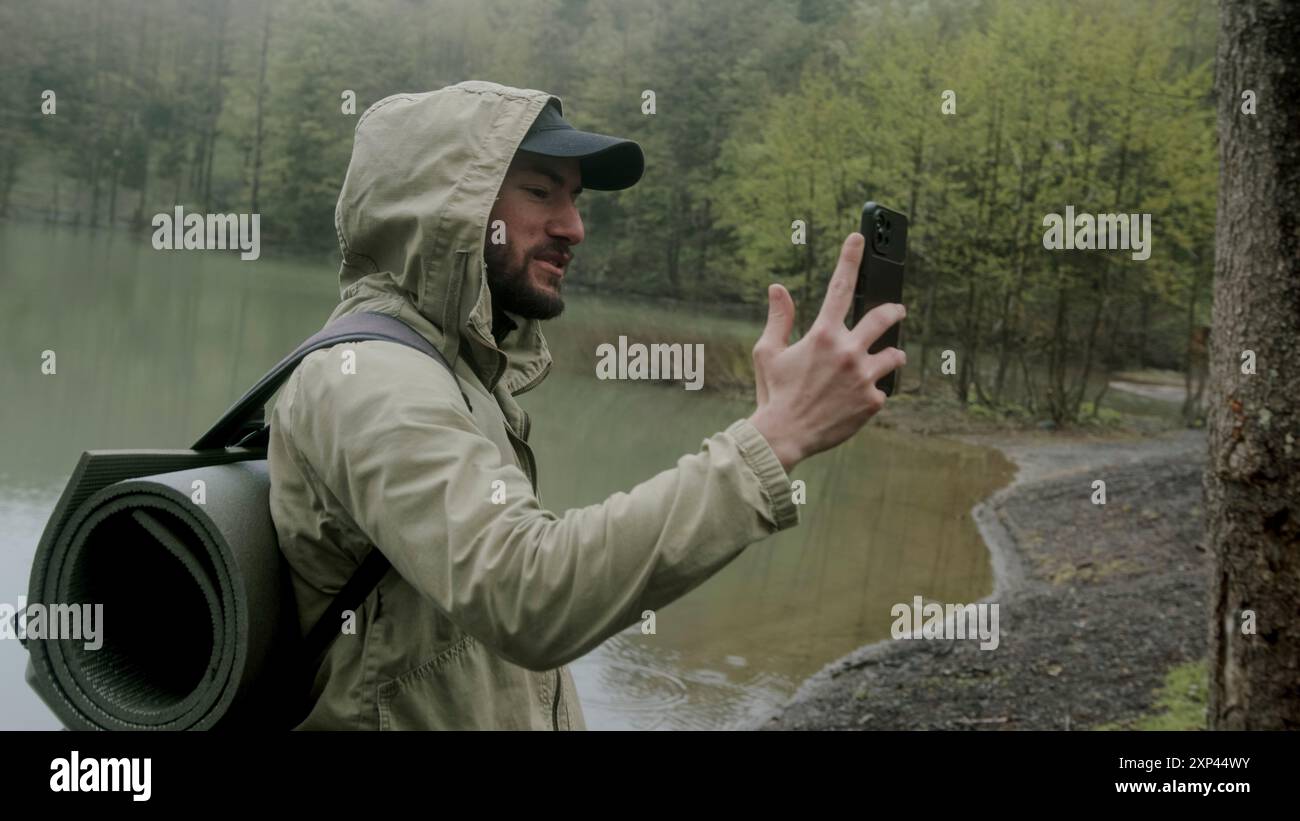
[(538, 203)]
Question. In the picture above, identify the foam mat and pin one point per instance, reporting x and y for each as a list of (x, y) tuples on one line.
[(182, 555)]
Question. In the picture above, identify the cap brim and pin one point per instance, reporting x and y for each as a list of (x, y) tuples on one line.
[(607, 163)]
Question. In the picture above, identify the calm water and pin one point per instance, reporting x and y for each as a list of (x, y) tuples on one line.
[(152, 346)]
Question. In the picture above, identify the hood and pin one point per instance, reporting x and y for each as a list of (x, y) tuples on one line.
[(412, 220)]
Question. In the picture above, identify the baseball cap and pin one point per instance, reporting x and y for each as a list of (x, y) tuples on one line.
[(607, 163)]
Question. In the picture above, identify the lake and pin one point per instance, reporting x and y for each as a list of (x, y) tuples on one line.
[(152, 346)]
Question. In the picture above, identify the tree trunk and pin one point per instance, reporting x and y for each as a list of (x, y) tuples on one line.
[(216, 100), (1143, 331), (261, 102), (1195, 362), (114, 173), (7, 184), (1110, 332), (96, 143), (1056, 388), (932, 268), (138, 221), (927, 319), (1252, 481), (969, 348)]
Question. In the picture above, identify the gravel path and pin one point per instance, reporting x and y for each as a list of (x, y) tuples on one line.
[(1096, 602)]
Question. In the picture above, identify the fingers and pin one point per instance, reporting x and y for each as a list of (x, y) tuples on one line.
[(875, 400), (879, 365), (839, 293), (876, 322), (776, 334), (780, 318)]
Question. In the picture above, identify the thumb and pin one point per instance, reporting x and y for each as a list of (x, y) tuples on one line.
[(780, 318)]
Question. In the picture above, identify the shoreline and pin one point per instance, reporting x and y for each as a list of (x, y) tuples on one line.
[(1006, 520)]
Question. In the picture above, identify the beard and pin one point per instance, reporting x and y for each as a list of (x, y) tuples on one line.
[(513, 289)]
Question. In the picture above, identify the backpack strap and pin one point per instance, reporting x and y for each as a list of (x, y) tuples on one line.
[(244, 419), (243, 425)]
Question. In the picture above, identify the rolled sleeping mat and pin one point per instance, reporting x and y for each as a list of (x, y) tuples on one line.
[(195, 604)]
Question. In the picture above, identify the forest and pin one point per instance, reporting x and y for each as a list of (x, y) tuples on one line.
[(766, 125)]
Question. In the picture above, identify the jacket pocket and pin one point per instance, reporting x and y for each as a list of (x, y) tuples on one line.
[(464, 687)]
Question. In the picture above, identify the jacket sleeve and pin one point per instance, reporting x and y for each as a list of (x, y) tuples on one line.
[(394, 444)]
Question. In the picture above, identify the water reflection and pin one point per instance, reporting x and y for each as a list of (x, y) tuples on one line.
[(887, 518)]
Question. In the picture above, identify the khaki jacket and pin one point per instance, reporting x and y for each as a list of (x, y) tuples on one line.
[(371, 445)]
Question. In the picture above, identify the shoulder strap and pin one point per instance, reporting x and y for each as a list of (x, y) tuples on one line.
[(243, 424), (245, 416)]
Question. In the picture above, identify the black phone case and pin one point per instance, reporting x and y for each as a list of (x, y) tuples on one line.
[(880, 275)]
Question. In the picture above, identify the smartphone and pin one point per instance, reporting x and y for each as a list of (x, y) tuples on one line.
[(880, 275)]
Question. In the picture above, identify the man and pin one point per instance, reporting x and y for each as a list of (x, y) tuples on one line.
[(375, 444)]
